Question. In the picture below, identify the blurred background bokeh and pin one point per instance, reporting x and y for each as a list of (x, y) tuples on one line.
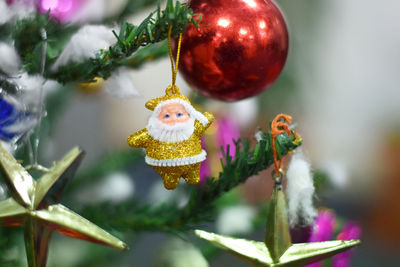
[(340, 84)]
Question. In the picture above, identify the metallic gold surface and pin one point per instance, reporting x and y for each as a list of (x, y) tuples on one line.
[(296, 255), (92, 87), (180, 152), (33, 206), (165, 150), (277, 250), (153, 103), (172, 175), (277, 237)]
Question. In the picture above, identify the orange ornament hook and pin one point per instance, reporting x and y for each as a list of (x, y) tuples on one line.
[(279, 125)]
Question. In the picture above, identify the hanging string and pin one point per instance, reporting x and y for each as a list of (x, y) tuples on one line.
[(279, 125), (34, 153), (173, 88), (43, 34)]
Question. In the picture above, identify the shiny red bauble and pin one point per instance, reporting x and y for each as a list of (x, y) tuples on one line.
[(238, 50)]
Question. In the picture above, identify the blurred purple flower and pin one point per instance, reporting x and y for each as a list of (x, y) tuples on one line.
[(301, 233), (227, 131), (323, 227), (351, 230), (23, 2), (205, 169), (322, 230), (63, 10)]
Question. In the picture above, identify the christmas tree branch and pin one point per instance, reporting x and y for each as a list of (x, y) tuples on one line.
[(152, 30), (147, 54), (200, 207), (28, 40)]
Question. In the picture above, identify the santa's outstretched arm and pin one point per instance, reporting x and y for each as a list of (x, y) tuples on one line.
[(138, 139), (205, 120)]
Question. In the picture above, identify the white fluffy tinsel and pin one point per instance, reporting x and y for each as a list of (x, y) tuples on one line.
[(120, 84), (18, 9), (84, 44), (300, 190), (9, 59), (30, 87), (10, 64)]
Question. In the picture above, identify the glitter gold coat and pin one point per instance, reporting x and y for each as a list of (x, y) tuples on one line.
[(185, 154)]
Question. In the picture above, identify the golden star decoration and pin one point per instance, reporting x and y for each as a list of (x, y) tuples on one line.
[(277, 250), (33, 206)]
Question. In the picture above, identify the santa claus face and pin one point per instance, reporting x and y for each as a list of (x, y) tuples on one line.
[(171, 123), (173, 113)]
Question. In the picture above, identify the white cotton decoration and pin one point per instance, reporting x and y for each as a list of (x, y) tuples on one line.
[(28, 82), (84, 44), (21, 126), (235, 220), (5, 14), (300, 190), (19, 9), (9, 59), (120, 84), (30, 86)]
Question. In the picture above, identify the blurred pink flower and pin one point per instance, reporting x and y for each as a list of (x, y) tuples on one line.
[(63, 10), (227, 130), (351, 230), (322, 230), (205, 169)]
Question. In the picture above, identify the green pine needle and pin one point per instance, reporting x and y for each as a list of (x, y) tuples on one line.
[(201, 205), (152, 30)]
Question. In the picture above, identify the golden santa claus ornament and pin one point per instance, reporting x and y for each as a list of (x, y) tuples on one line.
[(172, 138)]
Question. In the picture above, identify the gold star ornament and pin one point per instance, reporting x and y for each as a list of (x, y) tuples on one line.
[(33, 206), (278, 250)]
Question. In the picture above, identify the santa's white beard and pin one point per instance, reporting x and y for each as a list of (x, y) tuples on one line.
[(170, 133)]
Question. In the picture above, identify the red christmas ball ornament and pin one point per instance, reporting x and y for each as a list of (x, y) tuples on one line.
[(238, 50)]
